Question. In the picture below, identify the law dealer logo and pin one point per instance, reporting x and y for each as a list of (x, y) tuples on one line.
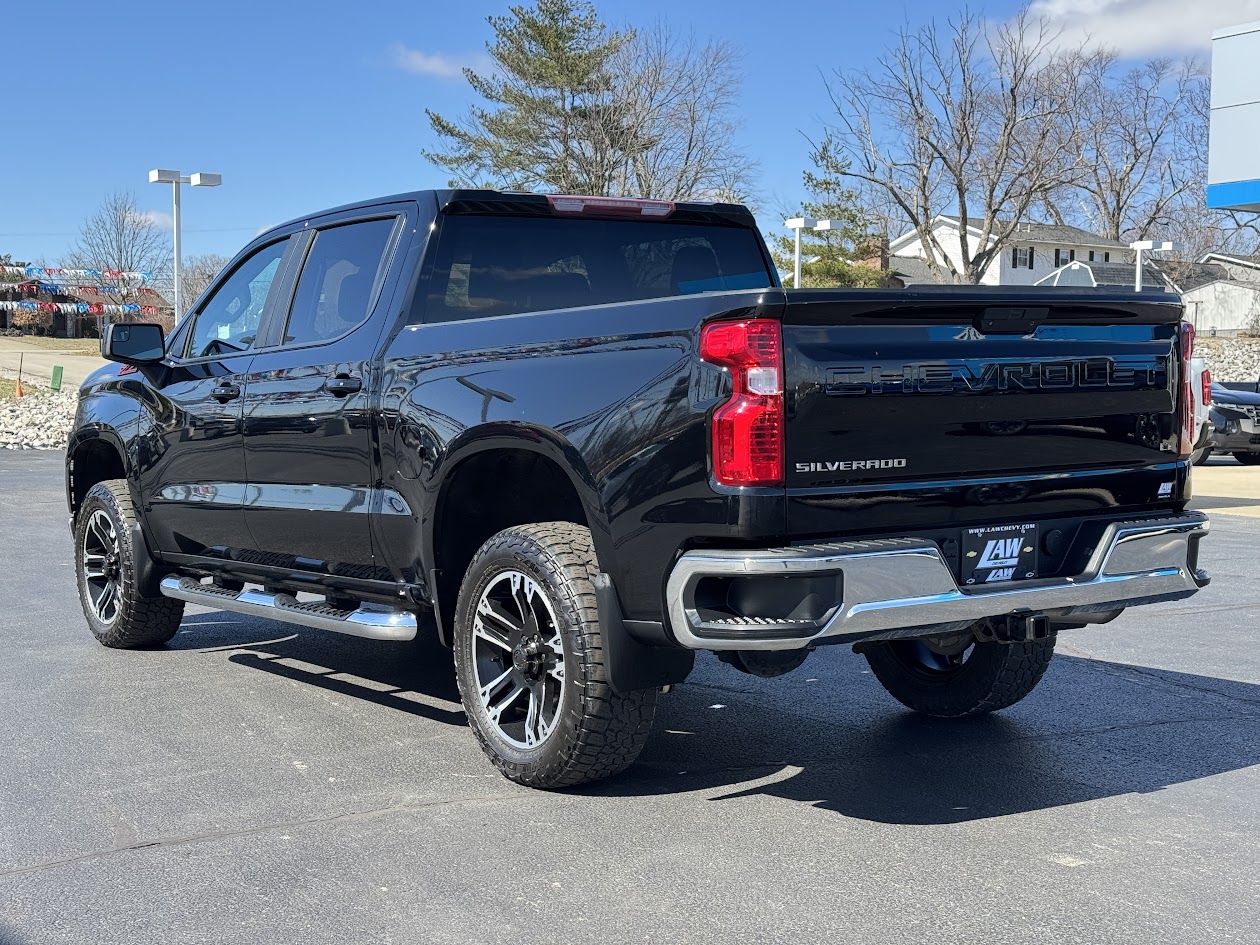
[(1002, 555), (997, 553)]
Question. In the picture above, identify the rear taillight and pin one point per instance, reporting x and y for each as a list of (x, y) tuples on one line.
[(748, 428), (1207, 387), (1186, 446)]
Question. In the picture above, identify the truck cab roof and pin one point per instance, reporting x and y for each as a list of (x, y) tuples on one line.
[(503, 202)]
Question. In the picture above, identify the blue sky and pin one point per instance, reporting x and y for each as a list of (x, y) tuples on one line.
[(306, 105)]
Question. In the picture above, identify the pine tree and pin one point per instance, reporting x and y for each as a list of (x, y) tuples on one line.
[(829, 257), (546, 98), (571, 106)]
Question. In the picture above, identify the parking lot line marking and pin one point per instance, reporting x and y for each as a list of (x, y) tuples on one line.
[(313, 668), (431, 701), (372, 684)]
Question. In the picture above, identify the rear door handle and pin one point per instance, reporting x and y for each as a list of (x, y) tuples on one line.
[(343, 384), (225, 392)]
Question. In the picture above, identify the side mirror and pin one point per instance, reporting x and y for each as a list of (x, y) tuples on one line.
[(133, 344)]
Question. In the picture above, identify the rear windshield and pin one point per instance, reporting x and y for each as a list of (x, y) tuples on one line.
[(502, 265)]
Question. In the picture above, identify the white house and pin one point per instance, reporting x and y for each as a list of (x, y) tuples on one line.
[(1035, 251), (1221, 292), (1223, 308)]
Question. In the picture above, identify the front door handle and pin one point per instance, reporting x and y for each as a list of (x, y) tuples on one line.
[(225, 392), (343, 384)]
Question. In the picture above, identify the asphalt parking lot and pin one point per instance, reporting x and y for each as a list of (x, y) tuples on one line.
[(255, 782)]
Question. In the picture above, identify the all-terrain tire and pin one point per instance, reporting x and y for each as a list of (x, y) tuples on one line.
[(1248, 459), (595, 732), (992, 676), (134, 621)]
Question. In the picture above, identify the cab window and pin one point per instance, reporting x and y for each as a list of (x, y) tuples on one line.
[(335, 289), (227, 322)]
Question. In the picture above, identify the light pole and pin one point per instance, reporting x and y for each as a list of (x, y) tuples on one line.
[(798, 224), (174, 178), (1140, 247)]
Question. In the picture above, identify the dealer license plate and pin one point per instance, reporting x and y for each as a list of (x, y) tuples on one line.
[(992, 554)]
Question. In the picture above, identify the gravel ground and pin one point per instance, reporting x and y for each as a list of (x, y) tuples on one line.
[(39, 420), (1231, 359)]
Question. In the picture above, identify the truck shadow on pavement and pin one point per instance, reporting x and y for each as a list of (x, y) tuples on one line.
[(417, 676), (1093, 730)]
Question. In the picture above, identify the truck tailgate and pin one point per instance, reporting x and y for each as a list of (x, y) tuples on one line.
[(908, 402)]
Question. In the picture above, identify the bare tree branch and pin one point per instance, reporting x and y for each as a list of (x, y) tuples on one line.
[(971, 118), (198, 272), (119, 235)]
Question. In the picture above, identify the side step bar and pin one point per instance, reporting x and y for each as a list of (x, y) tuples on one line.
[(375, 624)]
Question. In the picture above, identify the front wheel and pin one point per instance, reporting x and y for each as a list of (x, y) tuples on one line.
[(529, 660), (1248, 459), (118, 614), (965, 677)]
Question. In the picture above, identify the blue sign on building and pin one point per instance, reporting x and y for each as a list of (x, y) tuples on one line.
[(1234, 142)]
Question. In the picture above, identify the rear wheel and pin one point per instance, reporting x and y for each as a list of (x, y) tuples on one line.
[(1248, 459), (529, 660), (1200, 456), (105, 560), (963, 677)]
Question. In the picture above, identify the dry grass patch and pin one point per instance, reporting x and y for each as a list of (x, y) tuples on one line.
[(8, 388), (85, 346)]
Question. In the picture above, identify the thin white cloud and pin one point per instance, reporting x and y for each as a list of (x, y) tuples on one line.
[(158, 218), (1145, 27), (439, 65)]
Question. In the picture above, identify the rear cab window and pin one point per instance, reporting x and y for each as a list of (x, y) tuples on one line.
[(342, 271), (506, 265)]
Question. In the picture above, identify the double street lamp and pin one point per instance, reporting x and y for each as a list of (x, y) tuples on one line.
[(174, 178), (805, 223), (797, 224), (1145, 246)]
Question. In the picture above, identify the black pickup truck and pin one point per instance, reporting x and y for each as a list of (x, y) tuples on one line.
[(583, 438), (1234, 421)]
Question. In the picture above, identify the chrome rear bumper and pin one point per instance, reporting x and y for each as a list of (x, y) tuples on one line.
[(886, 587)]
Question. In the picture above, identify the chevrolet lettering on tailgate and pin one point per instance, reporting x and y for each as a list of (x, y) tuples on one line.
[(971, 376)]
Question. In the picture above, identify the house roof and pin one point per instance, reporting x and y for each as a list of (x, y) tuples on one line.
[(1105, 275), (79, 294), (146, 298), (1050, 233), (1188, 275), (1124, 274), (1240, 259), (912, 270), (1060, 234)]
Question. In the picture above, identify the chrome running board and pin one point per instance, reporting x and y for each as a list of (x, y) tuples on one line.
[(375, 624)]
